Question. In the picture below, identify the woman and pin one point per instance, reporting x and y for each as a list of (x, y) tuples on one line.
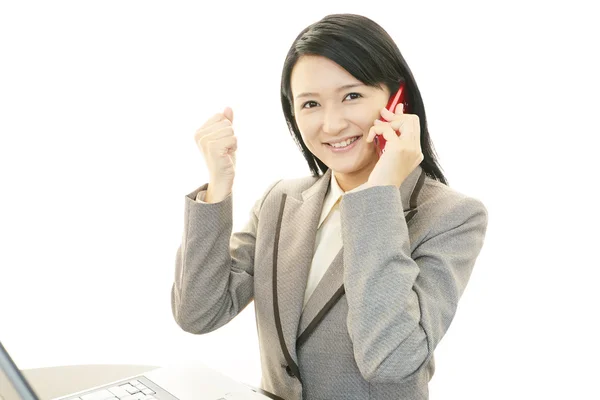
[(355, 271)]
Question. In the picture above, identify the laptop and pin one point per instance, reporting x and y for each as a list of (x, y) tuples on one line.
[(184, 382)]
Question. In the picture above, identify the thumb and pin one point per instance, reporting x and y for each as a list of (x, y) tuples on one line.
[(228, 113)]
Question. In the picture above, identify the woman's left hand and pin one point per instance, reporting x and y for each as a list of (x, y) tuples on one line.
[(402, 153)]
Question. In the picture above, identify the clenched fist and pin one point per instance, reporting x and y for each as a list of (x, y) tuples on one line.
[(218, 145)]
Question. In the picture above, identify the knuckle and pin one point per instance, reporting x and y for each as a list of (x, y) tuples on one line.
[(226, 130), (211, 120)]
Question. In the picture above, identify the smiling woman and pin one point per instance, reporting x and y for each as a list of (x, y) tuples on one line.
[(356, 271), (334, 119), (356, 53)]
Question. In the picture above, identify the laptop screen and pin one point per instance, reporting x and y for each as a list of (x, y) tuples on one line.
[(7, 390), (13, 385)]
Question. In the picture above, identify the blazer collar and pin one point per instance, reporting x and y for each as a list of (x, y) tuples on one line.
[(319, 188), (333, 193)]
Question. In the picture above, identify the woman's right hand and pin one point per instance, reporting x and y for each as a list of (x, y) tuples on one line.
[(218, 144)]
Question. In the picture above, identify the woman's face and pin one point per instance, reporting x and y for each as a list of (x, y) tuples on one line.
[(334, 112)]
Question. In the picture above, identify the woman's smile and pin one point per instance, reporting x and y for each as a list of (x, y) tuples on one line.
[(344, 146)]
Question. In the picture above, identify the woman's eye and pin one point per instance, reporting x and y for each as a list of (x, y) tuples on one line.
[(356, 95), (308, 102), (312, 104)]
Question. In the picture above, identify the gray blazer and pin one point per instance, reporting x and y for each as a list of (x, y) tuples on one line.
[(371, 326)]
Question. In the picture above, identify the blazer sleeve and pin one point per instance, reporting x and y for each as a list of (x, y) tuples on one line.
[(214, 269), (400, 305)]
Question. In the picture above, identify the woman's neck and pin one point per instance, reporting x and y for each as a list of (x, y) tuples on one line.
[(349, 182)]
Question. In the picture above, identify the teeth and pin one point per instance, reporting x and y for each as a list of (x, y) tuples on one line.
[(344, 143)]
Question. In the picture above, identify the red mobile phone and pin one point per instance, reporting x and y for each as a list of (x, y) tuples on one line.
[(397, 98)]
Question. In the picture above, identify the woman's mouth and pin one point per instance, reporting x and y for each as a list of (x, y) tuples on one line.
[(343, 146)]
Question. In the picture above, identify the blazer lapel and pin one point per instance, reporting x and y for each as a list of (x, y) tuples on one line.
[(328, 291), (295, 242), (331, 287)]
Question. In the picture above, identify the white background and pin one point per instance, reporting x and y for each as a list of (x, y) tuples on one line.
[(99, 102)]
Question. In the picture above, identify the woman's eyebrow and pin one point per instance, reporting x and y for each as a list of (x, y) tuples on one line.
[(345, 87)]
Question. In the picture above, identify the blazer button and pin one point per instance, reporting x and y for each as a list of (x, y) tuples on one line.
[(289, 371)]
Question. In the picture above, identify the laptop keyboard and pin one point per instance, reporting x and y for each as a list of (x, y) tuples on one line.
[(132, 390)]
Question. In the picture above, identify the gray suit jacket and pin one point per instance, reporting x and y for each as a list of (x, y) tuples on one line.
[(371, 326)]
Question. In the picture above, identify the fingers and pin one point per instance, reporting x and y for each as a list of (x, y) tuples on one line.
[(399, 123), (400, 109), (217, 144), (224, 146), (372, 132), (212, 120), (224, 135), (387, 114), (216, 137), (381, 128), (225, 123), (399, 119), (401, 127), (228, 113), (215, 127), (384, 129)]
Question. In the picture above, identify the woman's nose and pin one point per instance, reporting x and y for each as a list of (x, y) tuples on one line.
[(333, 122)]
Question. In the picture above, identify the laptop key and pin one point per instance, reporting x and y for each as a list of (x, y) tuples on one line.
[(118, 391), (99, 395), (140, 386), (137, 396), (130, 389)]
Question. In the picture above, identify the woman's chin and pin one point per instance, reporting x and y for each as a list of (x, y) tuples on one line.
[(348, 168)]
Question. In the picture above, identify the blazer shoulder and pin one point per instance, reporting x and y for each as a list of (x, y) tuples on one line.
[(290, 186), (448, 206)]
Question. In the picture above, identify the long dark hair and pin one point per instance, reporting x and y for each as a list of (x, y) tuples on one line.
[(367, 52)]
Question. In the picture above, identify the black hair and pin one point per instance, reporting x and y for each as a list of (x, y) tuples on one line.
[(364, 49)]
